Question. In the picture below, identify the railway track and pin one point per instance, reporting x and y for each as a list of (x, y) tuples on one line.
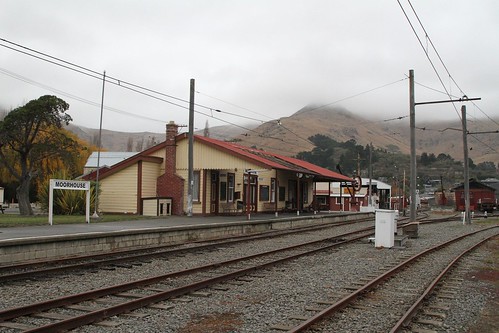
[(160, 292), (386, 296), (124, 298), (136, 257)]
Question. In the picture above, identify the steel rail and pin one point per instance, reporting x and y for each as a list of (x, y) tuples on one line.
[(99, 315), (72, 299), (347, 300), (407, 317), (129, 255)]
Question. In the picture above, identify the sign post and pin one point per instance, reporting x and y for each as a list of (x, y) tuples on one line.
[(61, 184)]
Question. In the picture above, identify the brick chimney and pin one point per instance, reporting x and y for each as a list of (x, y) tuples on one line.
[(171, 148), (171, 131), (170, 184)]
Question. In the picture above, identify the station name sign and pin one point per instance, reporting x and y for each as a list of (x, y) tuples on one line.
[(64, 184), (61, 184)]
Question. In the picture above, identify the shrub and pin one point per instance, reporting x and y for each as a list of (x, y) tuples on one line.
[(66, 202)]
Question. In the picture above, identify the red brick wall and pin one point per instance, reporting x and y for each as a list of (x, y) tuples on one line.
[(170, 184)]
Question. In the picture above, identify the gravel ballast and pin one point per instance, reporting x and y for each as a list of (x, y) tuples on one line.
[(271, 296)]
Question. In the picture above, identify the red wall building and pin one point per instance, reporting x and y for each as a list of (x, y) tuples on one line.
[(481, 196)]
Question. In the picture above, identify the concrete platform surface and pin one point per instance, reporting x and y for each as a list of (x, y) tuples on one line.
[(26, 232)]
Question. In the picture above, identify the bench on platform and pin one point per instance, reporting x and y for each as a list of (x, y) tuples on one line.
[(229, 208), (269, 207)]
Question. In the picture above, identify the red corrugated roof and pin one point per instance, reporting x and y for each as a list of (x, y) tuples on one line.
[(260, 157), (273, 160)]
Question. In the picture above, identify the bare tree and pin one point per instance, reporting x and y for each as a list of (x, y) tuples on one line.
[(140, 145), (129, 144), (206, 132)]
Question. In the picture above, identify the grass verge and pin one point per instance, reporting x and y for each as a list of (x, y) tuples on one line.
[(15, 220)]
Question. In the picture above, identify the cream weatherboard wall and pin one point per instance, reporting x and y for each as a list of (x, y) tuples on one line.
[(119, 192), (209, 159), (161, 153), (150, 173)]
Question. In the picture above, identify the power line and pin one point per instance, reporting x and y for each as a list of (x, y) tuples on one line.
[(81, 69), (427, 55), (112, 80), (442, 62), (483, 143), (434, 48), (80, 99), (453, 96), (358, 94), (235, 105)]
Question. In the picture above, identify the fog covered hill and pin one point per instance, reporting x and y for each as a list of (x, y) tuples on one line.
[(138, 141), (117, 141), (289, 135)]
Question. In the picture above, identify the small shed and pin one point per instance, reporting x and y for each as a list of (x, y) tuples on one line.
[(482, 197)]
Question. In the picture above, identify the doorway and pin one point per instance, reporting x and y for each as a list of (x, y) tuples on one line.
[(214, 192), (253, 195)]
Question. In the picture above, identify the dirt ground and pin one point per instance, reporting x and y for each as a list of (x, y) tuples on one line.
[(489, 317)]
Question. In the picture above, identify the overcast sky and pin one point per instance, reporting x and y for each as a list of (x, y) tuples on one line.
[(260, 59)]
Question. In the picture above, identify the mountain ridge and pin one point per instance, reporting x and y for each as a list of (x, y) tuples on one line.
[(289, 135)]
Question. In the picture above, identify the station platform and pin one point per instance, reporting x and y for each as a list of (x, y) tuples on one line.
[(26, 232), (31, 243)]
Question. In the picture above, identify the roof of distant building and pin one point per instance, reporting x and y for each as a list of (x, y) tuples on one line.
[(379, 184), (107, 158)]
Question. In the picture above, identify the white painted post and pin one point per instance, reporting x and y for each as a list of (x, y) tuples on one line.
[(87, 210), (51, 200)]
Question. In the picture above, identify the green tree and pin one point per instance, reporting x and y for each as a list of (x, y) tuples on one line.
[(323, 152), (31, 134)]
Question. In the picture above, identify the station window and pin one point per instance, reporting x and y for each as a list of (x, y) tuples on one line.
[(273, 188), (196, 187), (264, 193), (231, 180)]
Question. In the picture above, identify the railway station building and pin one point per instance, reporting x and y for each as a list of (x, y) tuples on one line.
[(228, 179)]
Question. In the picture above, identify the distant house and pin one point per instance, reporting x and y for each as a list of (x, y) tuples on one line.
[(228, 178), (339, 196), (482, 197)]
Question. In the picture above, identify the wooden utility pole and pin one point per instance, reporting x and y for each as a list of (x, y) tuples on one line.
[(99, 146), (413, 146), (467, 216), (413, 175), (369, 188), (190, 178)]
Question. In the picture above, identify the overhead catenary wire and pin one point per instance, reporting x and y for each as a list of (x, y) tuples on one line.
[(358, 94), (427, 55), (235, 105), (80, 69), (441, 61), (434, 48), (111, 80), (72, 96), (138, 88), (154, 93), (453, 96)]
